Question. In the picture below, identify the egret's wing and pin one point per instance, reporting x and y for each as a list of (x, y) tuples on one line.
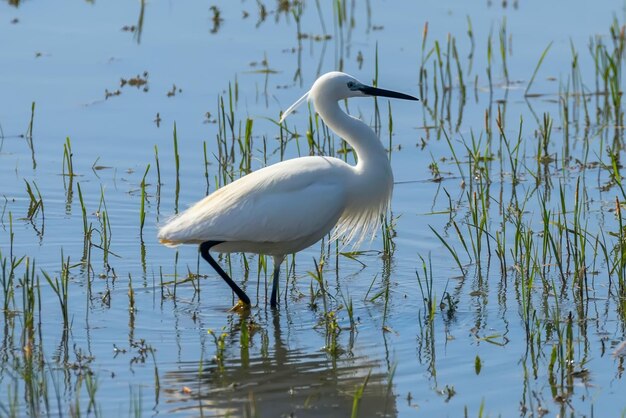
[(285, 202), (282, 216)]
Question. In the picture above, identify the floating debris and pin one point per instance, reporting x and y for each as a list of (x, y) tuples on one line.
[(108, 93), (137, 81), (317, 38), (173, 91), (216, 19), (208, 118)]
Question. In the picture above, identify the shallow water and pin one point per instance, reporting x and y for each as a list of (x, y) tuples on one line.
[(489, 347)]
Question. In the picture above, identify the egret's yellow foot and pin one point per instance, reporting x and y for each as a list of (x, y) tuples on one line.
[(240, 307)]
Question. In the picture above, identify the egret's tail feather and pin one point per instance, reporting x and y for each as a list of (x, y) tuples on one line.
[(180, 229), (169, 243), (167, 234)]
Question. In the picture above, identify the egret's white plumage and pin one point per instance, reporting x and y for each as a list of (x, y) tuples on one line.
[(276, 210), (288, 206)]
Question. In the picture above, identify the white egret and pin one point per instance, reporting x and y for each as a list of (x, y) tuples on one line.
[(289, 206)]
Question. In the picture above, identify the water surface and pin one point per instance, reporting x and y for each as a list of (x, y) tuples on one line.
[(117, 78)]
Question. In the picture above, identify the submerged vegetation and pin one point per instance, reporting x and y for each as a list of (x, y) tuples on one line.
[(501, 263)]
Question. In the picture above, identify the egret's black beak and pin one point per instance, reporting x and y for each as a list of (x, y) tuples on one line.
[(374, 91)]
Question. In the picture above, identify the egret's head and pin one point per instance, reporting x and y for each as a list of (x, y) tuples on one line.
[(337, 86)]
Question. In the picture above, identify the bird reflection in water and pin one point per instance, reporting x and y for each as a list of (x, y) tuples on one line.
[(277, 381)]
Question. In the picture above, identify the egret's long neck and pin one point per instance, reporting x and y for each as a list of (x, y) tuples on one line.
[(369, 189), (371, 155)]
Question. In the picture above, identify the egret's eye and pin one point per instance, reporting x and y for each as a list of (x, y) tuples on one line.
[(351, 85)]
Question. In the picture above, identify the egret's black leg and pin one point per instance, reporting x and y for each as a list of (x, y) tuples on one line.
[(277, 261), (273, 303), (204, 252)]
